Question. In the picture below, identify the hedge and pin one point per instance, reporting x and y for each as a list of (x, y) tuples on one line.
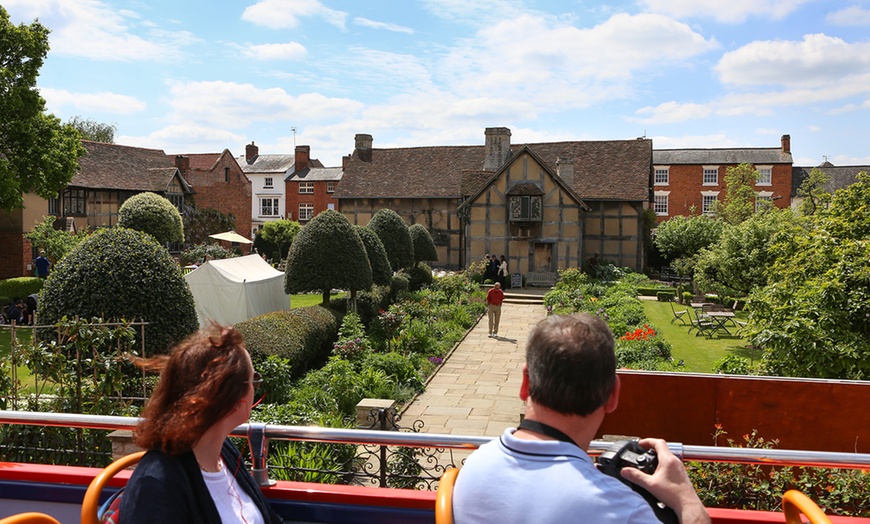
[(19, 287), (152, 214), (665, 296), (304, 336)]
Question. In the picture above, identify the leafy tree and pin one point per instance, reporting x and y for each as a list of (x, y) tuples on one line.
[(37, 153), (327, 253), (152, 214), (276, 237), (202, 252), (739, 202), (741, 260), (811, 319), (382, 274), (55, 242), (199, 223), (424, 247), (393, 232), (119, 273), (681, 238), (813, 191), (93, 130)]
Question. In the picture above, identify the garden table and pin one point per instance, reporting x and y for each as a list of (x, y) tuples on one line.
[(721, 318)]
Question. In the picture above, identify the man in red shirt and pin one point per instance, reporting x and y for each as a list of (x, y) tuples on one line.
[(494, 298)]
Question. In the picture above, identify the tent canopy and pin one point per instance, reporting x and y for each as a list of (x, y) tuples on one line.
[(235, 289), (231, 236)]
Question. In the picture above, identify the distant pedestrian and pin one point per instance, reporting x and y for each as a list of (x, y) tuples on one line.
[(503, 273), (494, 298), (493, 268), (42, 265)]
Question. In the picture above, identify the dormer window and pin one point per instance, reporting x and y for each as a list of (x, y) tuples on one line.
[(526, 208), (268, 183)]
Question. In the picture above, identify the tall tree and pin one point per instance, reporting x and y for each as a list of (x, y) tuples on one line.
[(812, 189), (199, 223), (93, 130), (37, 153), (740, 196), (276, 237), (327, 253)]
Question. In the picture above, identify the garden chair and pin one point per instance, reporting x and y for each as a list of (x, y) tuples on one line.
[(678, 315), (702, 323)]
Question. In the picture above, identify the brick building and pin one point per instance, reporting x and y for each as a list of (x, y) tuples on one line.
[(687, 179), (310, 188), (267, 174)]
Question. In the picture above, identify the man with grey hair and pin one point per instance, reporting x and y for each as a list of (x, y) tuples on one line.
[(540, 472)]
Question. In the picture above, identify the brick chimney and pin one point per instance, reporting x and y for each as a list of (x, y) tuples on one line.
[(497, 148), (363, 146), (786, 144), (251, 152), (565, 170), (303, 155), (182, 163)]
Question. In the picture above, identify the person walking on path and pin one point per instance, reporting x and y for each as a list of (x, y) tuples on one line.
[(494, 298), (42, 265)]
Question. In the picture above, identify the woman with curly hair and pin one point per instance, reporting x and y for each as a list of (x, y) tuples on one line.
[(192, 473)]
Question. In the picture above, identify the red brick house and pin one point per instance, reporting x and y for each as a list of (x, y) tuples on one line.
[(686, 179), (218, 182), (310, 188)]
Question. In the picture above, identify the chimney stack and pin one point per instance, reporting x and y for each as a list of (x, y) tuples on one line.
[(786, 144), (363, 146), (497, 148), (182, 163), (251, 152), (303, 154), (565, 170)]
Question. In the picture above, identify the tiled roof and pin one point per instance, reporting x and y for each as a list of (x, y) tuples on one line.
[(752, 155), (473, 180), (203, 161), (610, 170), (316, 174), (841, 176), (113, 166), (268, 163), (526, 188)]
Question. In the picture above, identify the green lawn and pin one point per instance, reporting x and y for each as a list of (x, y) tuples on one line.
[(697, 352), (309, 299)]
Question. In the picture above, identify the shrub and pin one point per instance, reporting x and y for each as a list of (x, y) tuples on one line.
[(19, 287), (419, 276), (202, 252), (351, 343), (398, 285), (368, 303), (424, 247), (397, 367), (152, 214), (665, 296), (394, 233), (303, 336), (382, 273), (116, 274), (276, 236), (687, 297), (734, 365), (277, 373)]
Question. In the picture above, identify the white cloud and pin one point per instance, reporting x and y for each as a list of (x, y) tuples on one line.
[(95, 30), (670, 112), (365, 22), (852, 16), (184, 139), (735, 11), (288, 51), (816, 60), (719, 140), (90, 102), (477, 12), (220, 102), (285, 14)]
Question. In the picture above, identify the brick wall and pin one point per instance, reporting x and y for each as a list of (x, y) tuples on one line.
[(214, 191), (320, 198), (15, 255)]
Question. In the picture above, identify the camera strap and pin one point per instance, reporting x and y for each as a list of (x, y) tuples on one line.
[(544, 429)]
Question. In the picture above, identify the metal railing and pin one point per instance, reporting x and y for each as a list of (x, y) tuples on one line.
[(264, 432)]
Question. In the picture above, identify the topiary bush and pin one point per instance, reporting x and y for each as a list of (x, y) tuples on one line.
[(303, 336), (152, 214), (424, 247), (394, 233), (419, 276), (120, 273), (377, 255)]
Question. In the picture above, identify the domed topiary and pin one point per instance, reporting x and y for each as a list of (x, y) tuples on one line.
[(393, 232), (327, 254), (381, 272), (152, 214), (424, 247), (120, 273)]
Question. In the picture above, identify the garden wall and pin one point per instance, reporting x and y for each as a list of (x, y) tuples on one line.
[(808, 414)]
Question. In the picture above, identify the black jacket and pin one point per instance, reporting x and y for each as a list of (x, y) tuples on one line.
[(171, 489)]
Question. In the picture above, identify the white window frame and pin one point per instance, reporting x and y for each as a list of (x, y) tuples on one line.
[(306, 188), (661, 175), (330, 187), (707, 200), (306, 211), (267, 182), (660, 203), (763, 196), (707, 173), (762, 179), (274, 205)]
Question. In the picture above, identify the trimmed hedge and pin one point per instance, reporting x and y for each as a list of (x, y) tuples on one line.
[(20, 287), (652, 291), (419, 276), (382, 273), (303, 336), (152, 214), (396, 236), (424, 247), (121, 273), (665, 296)]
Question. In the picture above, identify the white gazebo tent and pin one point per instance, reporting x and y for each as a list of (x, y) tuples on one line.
[(235, 289)]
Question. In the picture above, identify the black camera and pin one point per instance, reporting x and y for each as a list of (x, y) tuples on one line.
[(630, 454)]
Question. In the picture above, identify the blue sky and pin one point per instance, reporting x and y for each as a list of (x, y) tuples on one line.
[(203, 75)]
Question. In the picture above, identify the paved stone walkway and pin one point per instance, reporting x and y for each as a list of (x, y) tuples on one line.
[(476, 390)]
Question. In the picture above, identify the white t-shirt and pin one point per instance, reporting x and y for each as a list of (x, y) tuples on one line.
[(516, 481), (233, 503)]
